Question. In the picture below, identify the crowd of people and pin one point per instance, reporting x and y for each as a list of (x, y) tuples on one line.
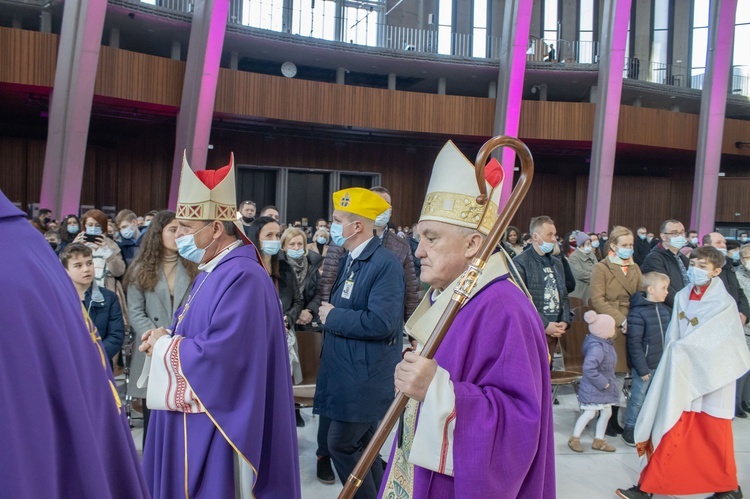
[(651, 301)]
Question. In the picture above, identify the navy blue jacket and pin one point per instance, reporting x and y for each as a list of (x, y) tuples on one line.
[(647, 325), (599, 363), (106, 314), (130, 247), (363, 338)]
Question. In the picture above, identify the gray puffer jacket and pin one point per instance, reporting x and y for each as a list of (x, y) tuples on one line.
[(598, 371)]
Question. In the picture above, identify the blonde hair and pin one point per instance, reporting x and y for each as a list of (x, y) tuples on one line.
[(617, 232), (290, 234), (652, 279)]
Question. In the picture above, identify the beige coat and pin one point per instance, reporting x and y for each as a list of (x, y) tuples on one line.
[(611, 290)]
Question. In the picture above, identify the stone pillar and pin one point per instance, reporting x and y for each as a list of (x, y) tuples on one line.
[(70, 105), (199, 88), (340, 76), (45, 22), (441, 85), (711, 124), (543, 92), (176, 51), (234, 60), (392, 81), (615, 19), (514, 42), (114, 38), (492, 90)]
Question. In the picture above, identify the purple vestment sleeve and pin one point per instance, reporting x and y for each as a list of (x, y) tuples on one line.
[(63, 434)]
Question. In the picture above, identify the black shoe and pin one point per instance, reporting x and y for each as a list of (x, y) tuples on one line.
[(732, 494), (325, 471), (628, 437), (633, 492), (613, 427), (739, 413), (300, 421)]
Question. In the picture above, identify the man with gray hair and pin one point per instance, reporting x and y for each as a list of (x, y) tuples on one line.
[(490, 369)]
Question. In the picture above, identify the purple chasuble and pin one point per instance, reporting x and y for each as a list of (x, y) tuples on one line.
[(496, 355), (63, 434), (234, 357)]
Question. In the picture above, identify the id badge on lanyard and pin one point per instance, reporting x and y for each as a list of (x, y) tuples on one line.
[(346, 293)]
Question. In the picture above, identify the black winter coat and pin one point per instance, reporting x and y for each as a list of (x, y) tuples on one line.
[(662, 260), (647, 325), (729, 277), (530, 265)]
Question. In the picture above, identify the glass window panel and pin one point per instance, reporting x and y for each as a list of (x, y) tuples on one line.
[(480, 13), (700, 13), (445, 13), (586, 50), (587, 15), (659, 47), (362, 25), (314, 18), (444, 39), (150, 2), (661, 14), (700, 47), (479, 43), (550, 16), (742, 45), (743, 12)]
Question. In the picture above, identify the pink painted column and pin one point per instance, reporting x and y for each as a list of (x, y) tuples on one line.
[(199, 88), (514, 44), (711, 124), (615, 20), (70, 105)]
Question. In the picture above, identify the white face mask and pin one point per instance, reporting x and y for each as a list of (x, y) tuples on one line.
[(586, 249), (383, 219)]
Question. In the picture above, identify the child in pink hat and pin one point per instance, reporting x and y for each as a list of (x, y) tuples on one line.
[(598, 388)]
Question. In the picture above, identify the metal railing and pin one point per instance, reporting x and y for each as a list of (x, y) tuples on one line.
[(680, 76)]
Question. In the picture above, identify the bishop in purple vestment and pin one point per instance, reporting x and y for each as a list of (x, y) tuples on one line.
[(63, 432), (222, 422), (479, 419)]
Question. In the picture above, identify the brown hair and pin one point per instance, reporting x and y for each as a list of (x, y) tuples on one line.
[(145, 271), (617, 232), (98, 215), (74, 249), (125, 216), (291, 233), (710, 254)]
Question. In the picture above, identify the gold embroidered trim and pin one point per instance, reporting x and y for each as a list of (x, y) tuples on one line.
[(461, 208), (208, 210), (693, 322)]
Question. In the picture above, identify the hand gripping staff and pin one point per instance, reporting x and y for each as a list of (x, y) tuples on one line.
[(461, 292)]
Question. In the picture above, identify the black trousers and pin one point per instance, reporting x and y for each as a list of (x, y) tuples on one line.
[(346, 442), (324, 422)]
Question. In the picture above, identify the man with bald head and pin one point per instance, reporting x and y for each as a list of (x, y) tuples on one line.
[(455, 439), (728, 275)]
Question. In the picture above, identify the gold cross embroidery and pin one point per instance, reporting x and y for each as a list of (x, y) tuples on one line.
[(693, 322)]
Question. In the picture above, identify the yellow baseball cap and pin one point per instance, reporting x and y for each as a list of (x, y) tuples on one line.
[(359, 201)]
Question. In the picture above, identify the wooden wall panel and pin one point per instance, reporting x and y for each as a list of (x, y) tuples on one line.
[(640, 201), (736, 131), (551, 195), (257, 95), (733, 197), (658, 128), (139, 77), (27, 57), (557, 120)]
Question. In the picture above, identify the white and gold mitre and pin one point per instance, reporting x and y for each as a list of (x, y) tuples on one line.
[(207, 194), (452, 193)]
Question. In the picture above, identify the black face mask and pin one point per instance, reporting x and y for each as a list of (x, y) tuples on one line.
[(53, 245), (46, 220), (247, 220)]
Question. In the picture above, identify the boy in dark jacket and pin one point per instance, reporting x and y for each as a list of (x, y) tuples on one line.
[(647, 322)]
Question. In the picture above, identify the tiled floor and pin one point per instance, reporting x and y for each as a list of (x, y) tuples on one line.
[(588, 475)]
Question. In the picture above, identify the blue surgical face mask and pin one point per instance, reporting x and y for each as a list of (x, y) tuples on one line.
[(337, 233), (127, 233), (296, 254), (146, 224), (736, 256), (642, 236), (586, 249), (594, 244), (383, 219), (322, 240), (270, 247), (94, 231), (624, 253), (73, 229), (723, 251), (677, 241), (697, 276), (187, 248), (546, 247)]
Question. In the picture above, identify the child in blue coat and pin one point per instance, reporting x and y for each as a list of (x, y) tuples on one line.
[(598, 389)]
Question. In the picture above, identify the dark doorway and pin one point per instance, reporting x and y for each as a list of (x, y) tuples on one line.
[(256, 185), (307, 197), (348, 180)]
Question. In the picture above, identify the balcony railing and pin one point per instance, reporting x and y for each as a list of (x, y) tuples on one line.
[(682, 76)]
